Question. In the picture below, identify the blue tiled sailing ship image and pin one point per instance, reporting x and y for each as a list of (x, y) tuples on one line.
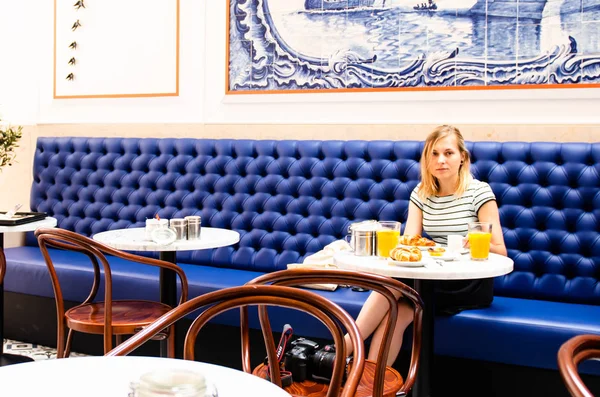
[(336, 4), (308, 45)]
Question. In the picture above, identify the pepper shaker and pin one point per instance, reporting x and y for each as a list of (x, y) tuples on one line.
[(179, 226), (193, 227)]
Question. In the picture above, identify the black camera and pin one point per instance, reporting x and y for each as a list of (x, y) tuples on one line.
[(306, 361)]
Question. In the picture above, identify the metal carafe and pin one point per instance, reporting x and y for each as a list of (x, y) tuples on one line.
[(363, 238)]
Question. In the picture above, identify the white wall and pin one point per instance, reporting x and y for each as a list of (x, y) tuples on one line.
[(26, 43), (32, 22), (19, 61)]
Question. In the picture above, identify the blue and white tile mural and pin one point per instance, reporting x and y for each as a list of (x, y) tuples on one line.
[(289, 45)]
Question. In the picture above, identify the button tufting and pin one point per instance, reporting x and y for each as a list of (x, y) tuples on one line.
[(546, 194)]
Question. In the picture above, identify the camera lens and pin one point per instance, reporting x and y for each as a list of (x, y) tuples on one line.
[(322, 363)]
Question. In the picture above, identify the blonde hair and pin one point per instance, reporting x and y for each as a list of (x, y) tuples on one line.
[(430, 185)]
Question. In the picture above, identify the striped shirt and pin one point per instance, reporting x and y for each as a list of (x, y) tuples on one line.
[(444, 215)]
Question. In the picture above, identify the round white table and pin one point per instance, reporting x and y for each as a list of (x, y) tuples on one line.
[(6, 359), (133, 239), (111, 376), (462, 269), (425, 276)]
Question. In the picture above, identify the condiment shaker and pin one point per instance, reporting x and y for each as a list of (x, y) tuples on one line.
[(179, 226), (193, 227)]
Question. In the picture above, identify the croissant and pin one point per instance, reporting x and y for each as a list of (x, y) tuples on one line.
[(415, 241), (406, 254)]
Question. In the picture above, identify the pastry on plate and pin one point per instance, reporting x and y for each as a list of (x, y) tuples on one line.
[(436, 251), (403, 254), (415, 241)]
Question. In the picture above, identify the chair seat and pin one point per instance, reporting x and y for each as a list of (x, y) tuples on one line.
[(393, 382), (127, 316)]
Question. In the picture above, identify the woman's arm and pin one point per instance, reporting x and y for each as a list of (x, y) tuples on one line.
[(489, 213), (414, 222)]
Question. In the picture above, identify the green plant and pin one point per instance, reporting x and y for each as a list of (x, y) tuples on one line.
[(9, 139)]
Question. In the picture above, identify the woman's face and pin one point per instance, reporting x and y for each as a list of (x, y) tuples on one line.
[(445, 159)]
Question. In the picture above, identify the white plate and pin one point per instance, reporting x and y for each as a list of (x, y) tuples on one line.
[(447, 256), (421, 248), (406, 264), (461, 251)]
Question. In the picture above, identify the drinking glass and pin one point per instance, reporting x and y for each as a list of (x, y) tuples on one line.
[(172, 383), (388, 233), (480, 236), (152, 224)]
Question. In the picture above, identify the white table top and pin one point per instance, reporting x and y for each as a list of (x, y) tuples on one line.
[(111, 376), (28, 227), (133, 240), (463, 269)]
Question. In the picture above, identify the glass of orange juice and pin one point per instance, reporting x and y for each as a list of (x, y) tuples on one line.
[(480, 236), (388, 233)]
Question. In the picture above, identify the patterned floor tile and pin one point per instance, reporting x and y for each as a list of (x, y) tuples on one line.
[(37, 352)]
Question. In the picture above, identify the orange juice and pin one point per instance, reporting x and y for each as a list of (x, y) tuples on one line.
[(386, 240), (480, 244)]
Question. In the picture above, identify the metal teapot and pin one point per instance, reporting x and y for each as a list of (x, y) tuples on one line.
[(362, 237)]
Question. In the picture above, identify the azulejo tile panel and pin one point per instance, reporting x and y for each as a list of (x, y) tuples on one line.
[(308, 45)]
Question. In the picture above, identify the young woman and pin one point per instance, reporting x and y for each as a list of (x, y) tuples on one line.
[(445, 202)]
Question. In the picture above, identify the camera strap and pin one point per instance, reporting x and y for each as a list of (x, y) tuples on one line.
[(286, 376)]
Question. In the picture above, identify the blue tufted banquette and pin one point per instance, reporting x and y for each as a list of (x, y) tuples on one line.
[(288, 199)]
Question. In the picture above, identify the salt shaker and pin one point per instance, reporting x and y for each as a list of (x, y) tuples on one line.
[(179, 226), (193, 227)]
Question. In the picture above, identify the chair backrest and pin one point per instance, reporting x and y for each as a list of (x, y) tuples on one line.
[(374, 282), (2, 265), (570, 355), (96, 252), (327, 312)]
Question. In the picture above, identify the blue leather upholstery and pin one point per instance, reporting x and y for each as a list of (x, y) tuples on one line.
[(288, 199)]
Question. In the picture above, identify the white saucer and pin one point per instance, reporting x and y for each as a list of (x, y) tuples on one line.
[(392, 262), (462, 251), (164, 236), (450, 256)]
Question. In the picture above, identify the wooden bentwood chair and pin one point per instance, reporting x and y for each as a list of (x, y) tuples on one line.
[(327, 312), (574, 351), (109, 317), (383, 380), (2, 265)]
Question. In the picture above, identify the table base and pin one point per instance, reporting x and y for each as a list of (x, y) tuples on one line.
[(168, 290), (422, 386), (9, 359)]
